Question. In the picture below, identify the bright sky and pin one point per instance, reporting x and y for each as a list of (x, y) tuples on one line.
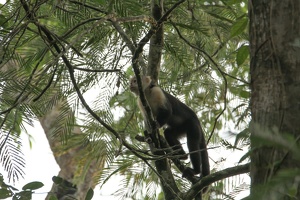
[(40, 163), (41, 166)]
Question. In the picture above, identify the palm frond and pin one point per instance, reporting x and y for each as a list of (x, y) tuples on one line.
[(11, 157)]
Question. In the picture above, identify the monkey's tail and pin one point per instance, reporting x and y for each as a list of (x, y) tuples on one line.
[(205, 162)]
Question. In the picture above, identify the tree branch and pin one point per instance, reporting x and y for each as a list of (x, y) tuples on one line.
[(170, 188), (136, 55), (70, 68), (96, 70), (156, 45), (217, 176)]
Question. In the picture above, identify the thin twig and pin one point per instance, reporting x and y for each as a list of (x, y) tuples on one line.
[(70, 68), (218, 68), (47, 86), (97, 70)]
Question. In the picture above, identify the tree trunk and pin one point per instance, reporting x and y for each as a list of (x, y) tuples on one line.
[(275, 84), (68, 160)]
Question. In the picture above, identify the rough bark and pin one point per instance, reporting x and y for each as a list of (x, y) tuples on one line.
[(156, 43), (275, 84), (163, 169), (168, 183)]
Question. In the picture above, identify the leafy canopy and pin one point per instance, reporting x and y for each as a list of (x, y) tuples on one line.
[(52, 50)]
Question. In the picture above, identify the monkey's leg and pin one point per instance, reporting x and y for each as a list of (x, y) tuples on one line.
[(172, 139), (193, 143)]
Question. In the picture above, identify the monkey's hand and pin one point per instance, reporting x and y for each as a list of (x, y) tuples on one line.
[(157, 124), (182, 157), (188, 173), (143, 139), (180, 153)]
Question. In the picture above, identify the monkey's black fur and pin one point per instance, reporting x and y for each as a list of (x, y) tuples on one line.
[(180, 121)]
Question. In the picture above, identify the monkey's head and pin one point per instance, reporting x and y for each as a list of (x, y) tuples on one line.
[(146, 81)]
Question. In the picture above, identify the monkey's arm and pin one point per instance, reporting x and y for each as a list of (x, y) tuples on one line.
[(163, 114)]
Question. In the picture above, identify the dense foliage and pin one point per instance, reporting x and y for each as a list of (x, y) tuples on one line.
[(81, 51)]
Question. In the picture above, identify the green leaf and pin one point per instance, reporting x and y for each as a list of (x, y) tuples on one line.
[(238, 27), (242, 54), (3, 21), (292, 191), (33, 185), (23, 195), (89, 194), (4, 193), (52, 197), (245, 94), (233, 2), (57, 180), (101, 2)]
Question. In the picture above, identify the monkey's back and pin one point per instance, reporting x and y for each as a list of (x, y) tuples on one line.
[(180, 109)]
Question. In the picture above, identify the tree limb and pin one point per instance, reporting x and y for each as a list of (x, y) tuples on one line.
[(156, 45), (217, 176)]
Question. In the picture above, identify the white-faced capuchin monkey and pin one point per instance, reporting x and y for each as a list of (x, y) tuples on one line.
[(179, 121)]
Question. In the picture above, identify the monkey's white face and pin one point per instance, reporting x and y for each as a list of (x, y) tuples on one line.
[(133, 86), (146, 80)]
